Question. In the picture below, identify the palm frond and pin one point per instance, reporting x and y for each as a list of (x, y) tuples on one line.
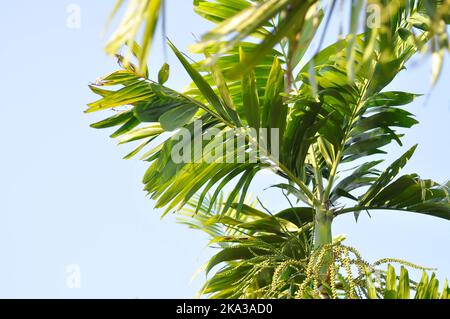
[(140, 16)]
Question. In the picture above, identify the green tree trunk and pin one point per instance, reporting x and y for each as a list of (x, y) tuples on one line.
[(322, 237)]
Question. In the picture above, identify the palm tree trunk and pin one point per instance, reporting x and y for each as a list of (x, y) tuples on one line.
[(323, 237), (322, 229)]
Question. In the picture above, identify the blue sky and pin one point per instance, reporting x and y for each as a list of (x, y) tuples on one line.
[(67, 197)]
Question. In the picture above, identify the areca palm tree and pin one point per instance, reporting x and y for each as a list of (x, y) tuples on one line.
[(322, 118), (270, 256), (270, 21)]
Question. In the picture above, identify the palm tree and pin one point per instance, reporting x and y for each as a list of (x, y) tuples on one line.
[(270, 256), (329, 114), (293, 20)]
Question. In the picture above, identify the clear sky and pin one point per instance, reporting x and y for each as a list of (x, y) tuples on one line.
[(67, 197)]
